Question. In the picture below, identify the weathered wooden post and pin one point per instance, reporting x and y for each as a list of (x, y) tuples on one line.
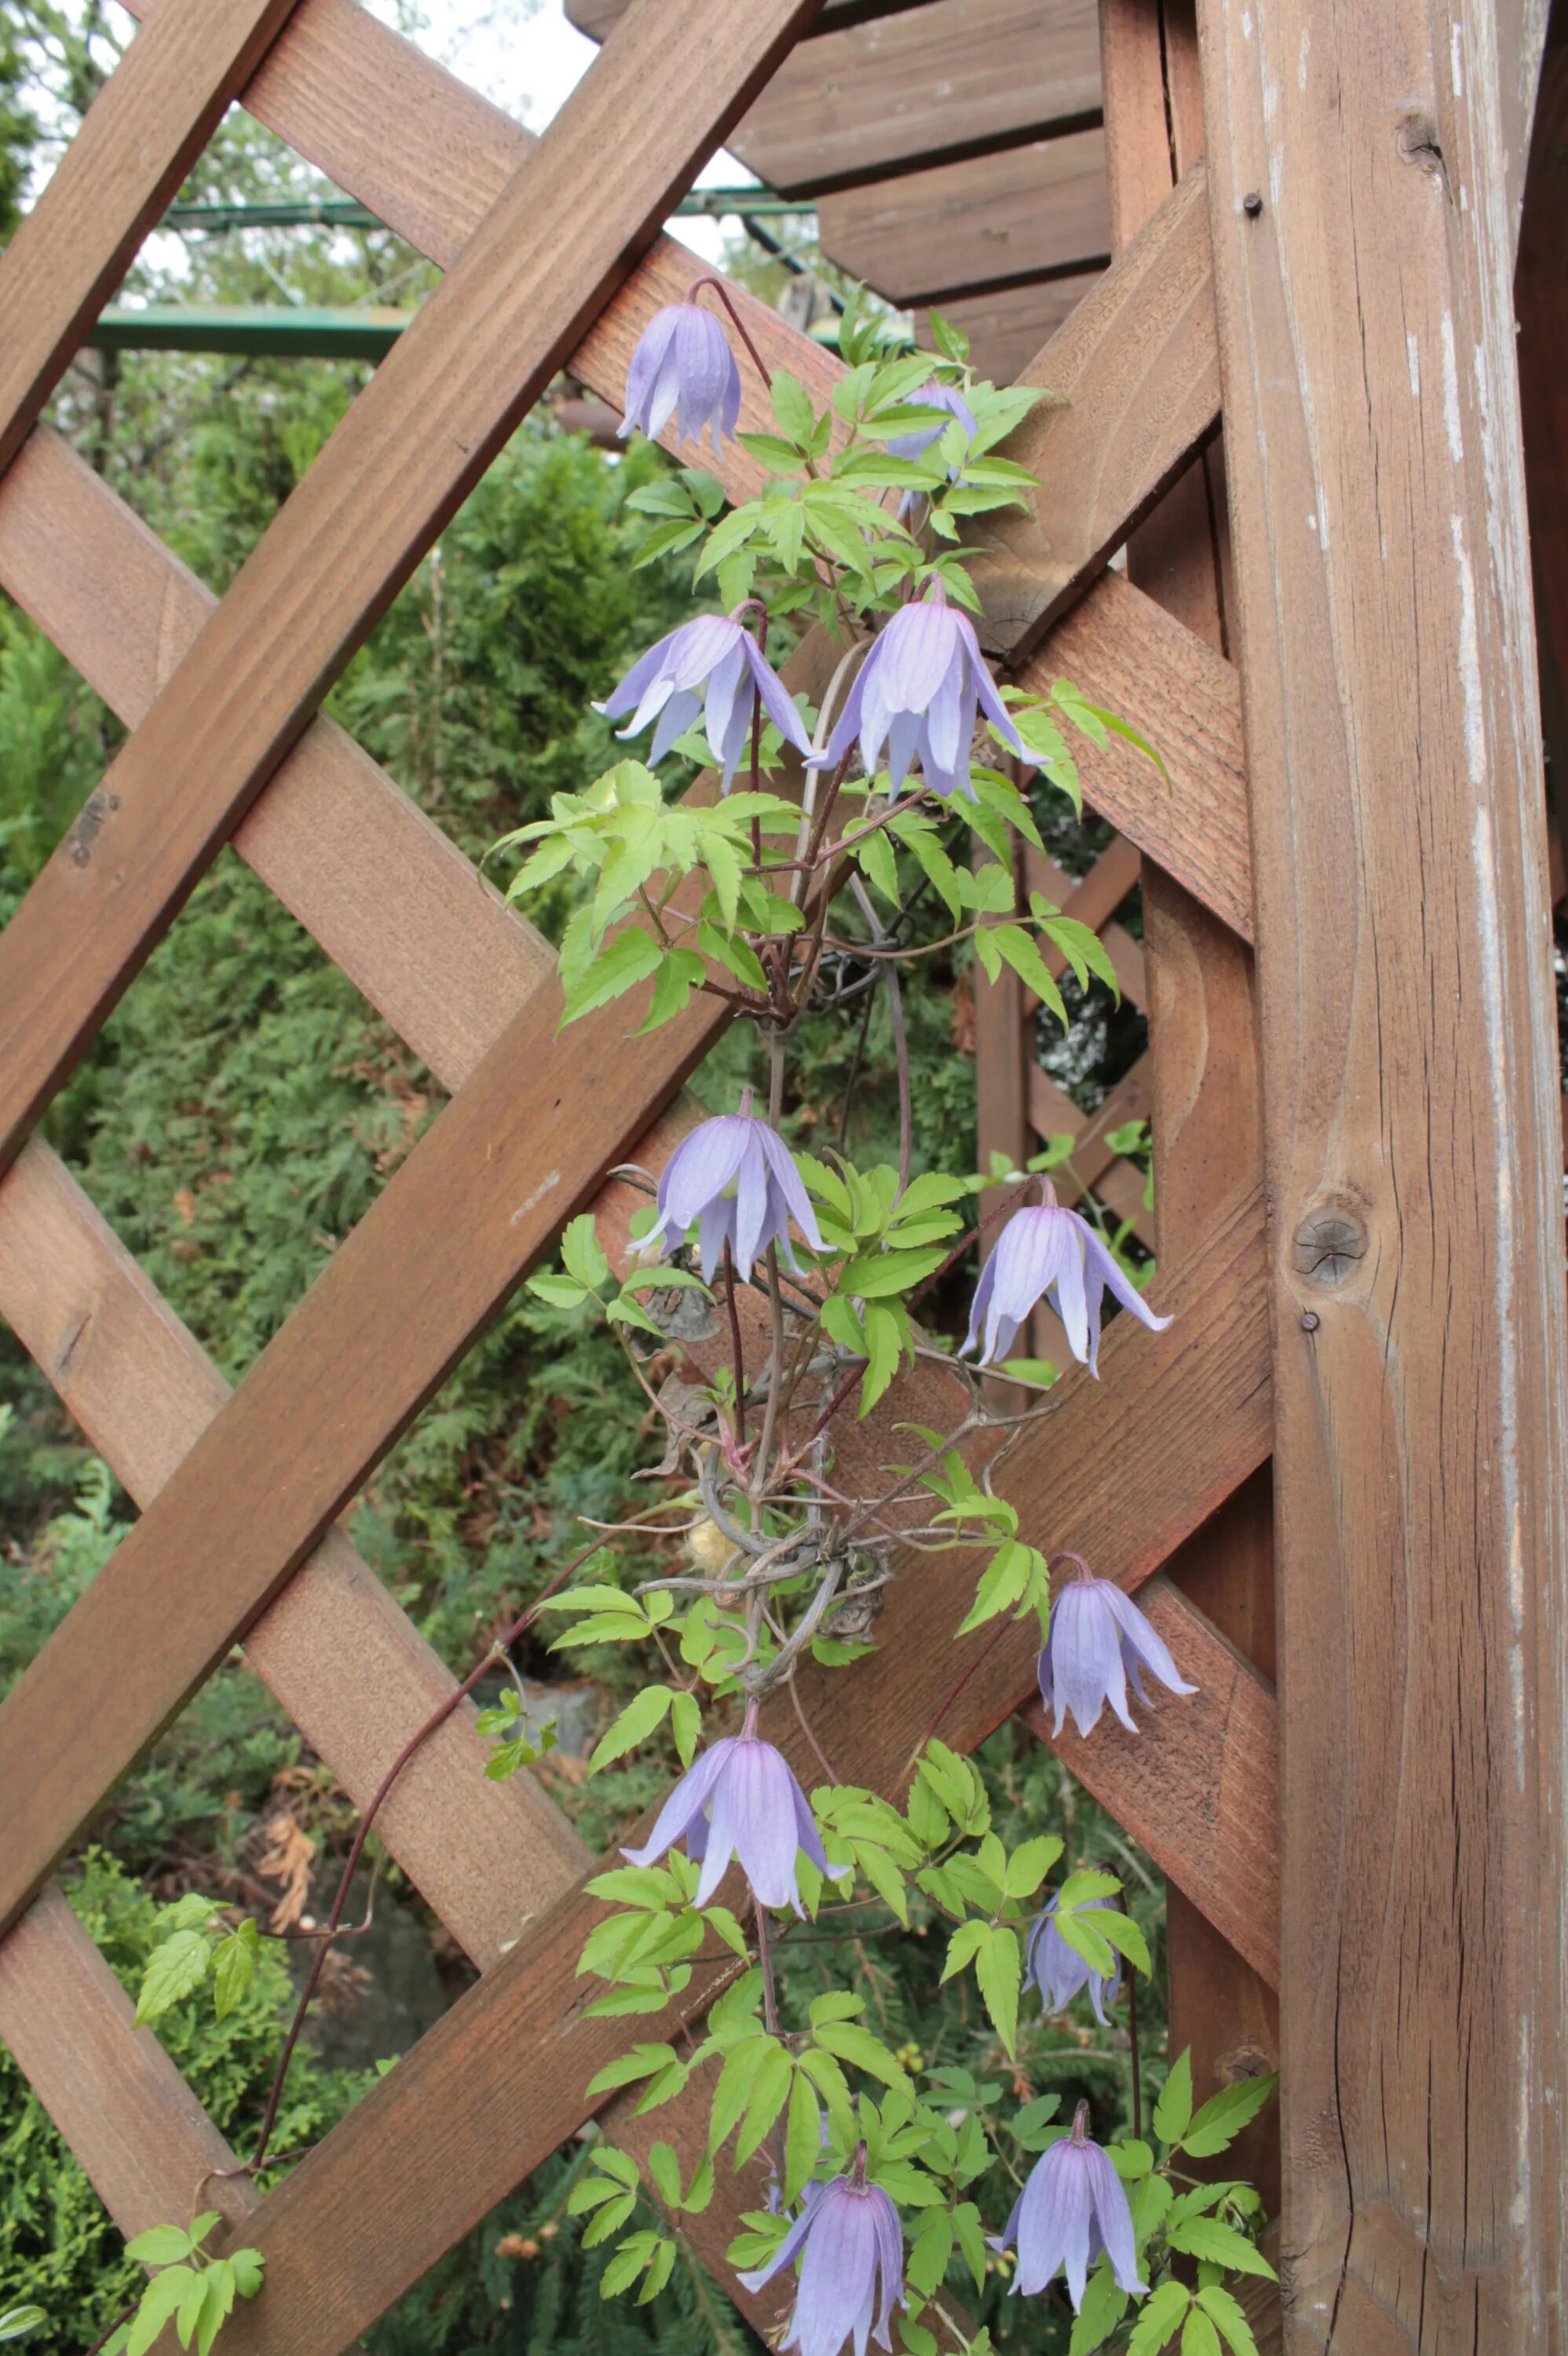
[(1361, 158)]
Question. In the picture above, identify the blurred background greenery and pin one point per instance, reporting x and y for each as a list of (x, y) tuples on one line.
[(239, 1112)]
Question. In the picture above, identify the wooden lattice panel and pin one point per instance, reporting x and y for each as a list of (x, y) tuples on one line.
[(239, 1492)]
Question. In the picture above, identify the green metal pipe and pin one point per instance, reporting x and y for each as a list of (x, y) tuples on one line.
[(253, 331), (341, 212)]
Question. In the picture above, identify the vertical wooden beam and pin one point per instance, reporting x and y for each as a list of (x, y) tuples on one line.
[(1362, 244), (1203, 1050)]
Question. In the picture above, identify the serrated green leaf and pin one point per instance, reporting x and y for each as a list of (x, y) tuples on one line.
[(234, 1967), (768, 2092), (1211, 2237), (175, 1967), (1223, 2117), (803, 2136), (1173, 2111), (1199, 2337), (160, 2245), (1157, 2318), (630, 957), (998, 1967), (163, 2295), (641, 1714), (1030, 1864), (1224, 2310), (848, 2042)]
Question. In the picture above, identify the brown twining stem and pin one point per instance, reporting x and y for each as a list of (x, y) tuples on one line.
[(720, 288), (432, 1725), (736, 1346), (765, 1957), (1133, 2035), (977, 1663)]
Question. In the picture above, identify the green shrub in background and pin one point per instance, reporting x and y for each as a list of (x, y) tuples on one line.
[(57, 2246)]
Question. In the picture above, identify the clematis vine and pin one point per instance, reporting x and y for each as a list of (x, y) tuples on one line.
[(1097, 1639), (1059, 1972), (1047, 1252), (737, 1179), (741, 1800), (714, 666), (848, 2241), (919, 692), (683, 366), (1072, 2211)]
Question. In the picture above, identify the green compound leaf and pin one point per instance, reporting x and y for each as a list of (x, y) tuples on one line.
[(1223, 2117)]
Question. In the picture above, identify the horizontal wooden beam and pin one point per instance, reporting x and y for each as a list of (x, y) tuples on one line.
[(894, 94), (138, 139), (991, 222)]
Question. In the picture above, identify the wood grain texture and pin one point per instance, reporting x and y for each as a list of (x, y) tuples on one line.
[(138, 139), (1413, 1157), (456, 2125), (1203, 1049), (414, 443), (959, 228), (1540, 297), (1136, 366), (1124, 653), (145, 2142), (1006, 329), (954, 78), (341, 1656)]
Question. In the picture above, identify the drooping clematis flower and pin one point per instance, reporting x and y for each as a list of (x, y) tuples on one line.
[(1071, 2210), (918, 693), (682, 364), (737, 1178), (1097, 1638), (1059, 1972), (932, 396), (846, 2236), (1050, 1252), (712, 665), (739, 1800)]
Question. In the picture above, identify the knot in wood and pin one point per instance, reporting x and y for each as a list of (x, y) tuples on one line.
[(1418, 141), (95, 809), (1327, 1244)]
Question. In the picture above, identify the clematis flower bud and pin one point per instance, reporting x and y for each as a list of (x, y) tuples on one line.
[(1051, 1253), (736, 1177), (739, 1800), (1060, 1971), (712, 665), (847, 2236), (1097, 1639), (918, 693), (683, 363), (1072, 2211)]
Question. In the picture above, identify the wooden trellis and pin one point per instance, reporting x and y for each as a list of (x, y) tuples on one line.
[(551, 255)]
